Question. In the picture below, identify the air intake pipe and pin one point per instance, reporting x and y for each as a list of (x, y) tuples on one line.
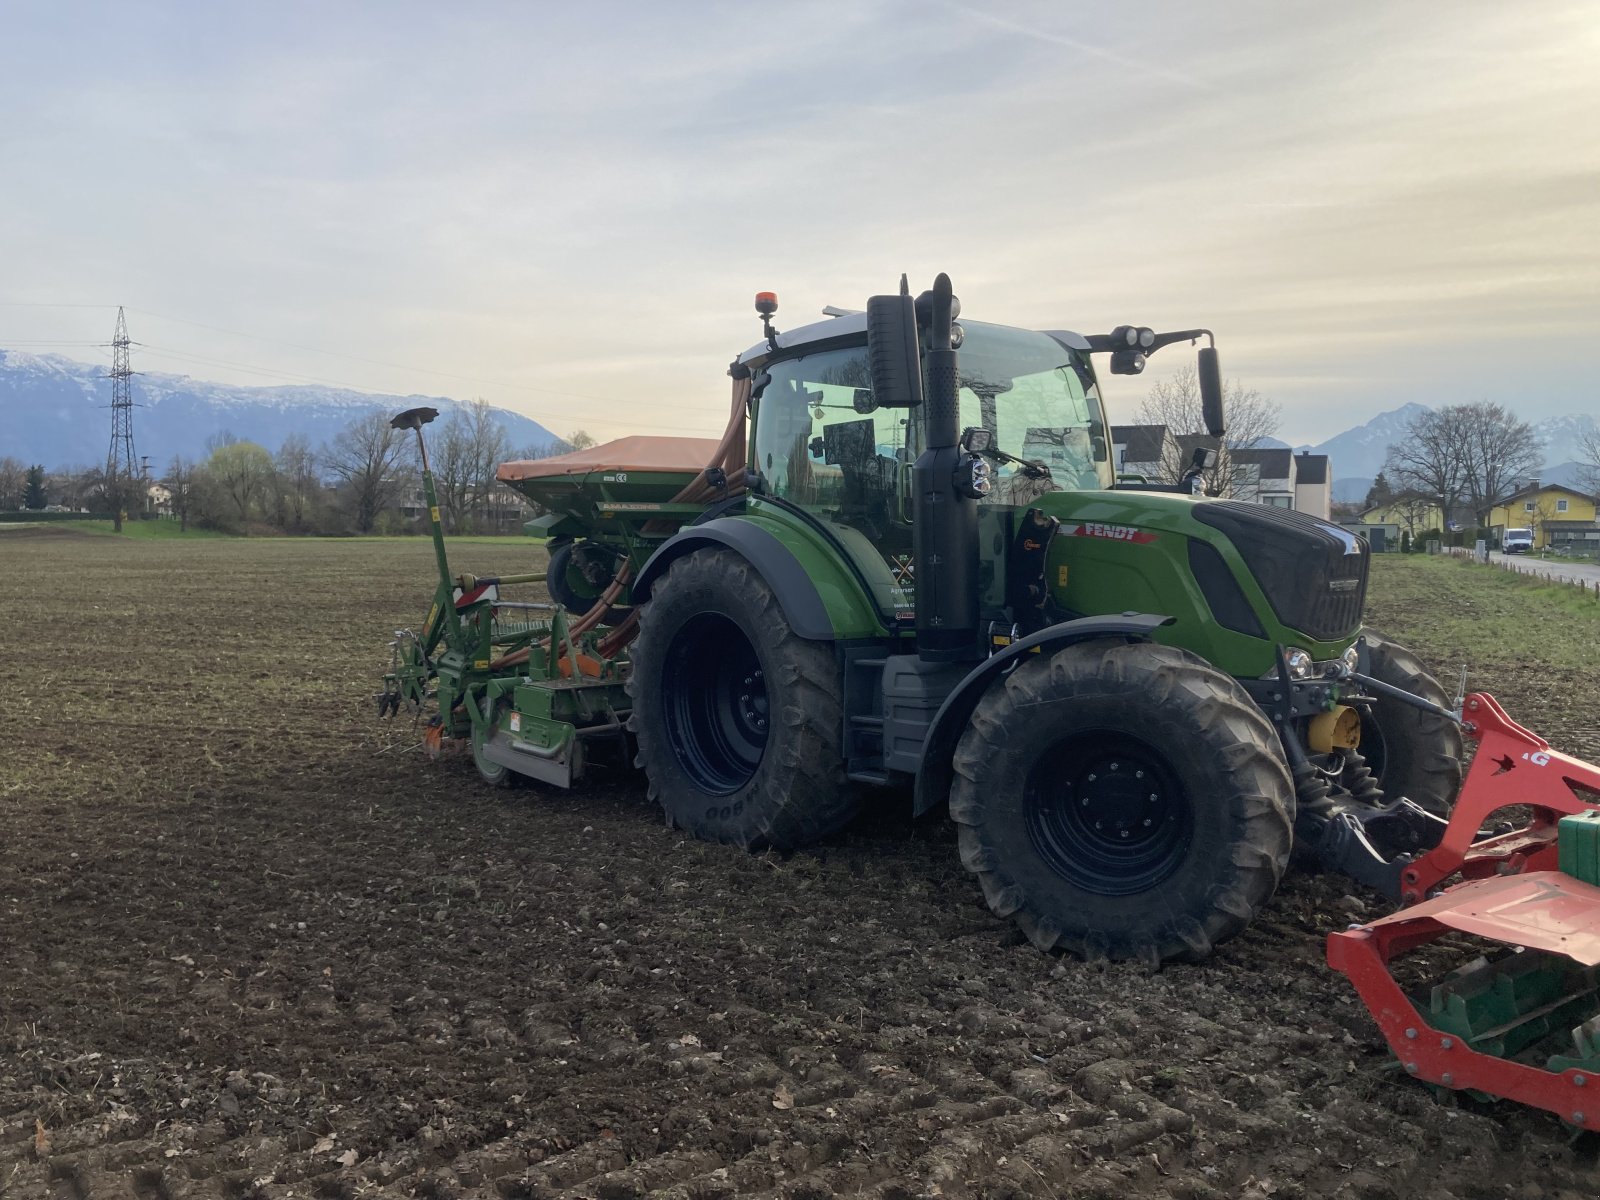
[(945, 522)]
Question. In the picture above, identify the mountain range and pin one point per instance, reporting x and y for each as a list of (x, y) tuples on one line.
[(53, 412)]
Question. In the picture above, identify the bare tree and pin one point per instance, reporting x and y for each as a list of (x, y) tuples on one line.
[(1413, 509), (452, 459), (579, 439), (295, 479), (1430, 458), (367, 457), (465, 456), (1589, 459), (1175, 403), (1465, 454), (181, 481), (1499, 454), (489, 448), (13, 482), (1539, 519)]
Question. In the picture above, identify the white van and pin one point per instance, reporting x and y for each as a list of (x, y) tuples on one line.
[(1517, 541)]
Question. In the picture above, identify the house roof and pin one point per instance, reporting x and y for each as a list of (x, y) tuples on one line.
[(1142, 442), (1311, 468), (1540, 488), (1189, 442), (1274, 464)]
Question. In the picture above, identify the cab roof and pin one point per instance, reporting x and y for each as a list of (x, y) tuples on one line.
[(855, 325)]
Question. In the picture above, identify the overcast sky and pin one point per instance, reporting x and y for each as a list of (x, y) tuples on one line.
[(566, 209)]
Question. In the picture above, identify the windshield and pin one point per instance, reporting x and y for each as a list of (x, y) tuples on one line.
[(1039, 400)]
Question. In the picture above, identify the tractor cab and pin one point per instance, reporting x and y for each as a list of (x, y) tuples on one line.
[(825, 444)]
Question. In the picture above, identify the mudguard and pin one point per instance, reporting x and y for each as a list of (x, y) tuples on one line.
[(796, 593), (936, 774)]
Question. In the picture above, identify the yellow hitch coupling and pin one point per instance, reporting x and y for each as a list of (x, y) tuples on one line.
[(1337, 729)]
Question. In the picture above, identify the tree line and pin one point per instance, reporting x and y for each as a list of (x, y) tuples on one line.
[(1466, 460), (366, 479)]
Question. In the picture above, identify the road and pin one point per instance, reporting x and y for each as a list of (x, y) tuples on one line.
[(1567, 570)]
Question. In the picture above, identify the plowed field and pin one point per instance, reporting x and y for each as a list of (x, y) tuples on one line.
[(253, 945)]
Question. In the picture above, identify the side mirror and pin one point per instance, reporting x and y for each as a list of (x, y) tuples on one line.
[(893, 352), (1210, 372), (1204, 459)]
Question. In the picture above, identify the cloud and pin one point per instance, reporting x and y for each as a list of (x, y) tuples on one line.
[(575, 202)]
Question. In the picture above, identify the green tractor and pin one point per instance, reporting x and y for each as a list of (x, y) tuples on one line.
[(919, 574)]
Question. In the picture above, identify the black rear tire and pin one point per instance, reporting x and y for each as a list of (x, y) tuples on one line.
[(738, 719), (1413, 753), (1124, 801)]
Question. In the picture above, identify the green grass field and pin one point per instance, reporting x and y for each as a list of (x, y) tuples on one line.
[(1535, 645)]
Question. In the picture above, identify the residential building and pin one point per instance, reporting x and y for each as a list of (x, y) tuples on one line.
[(1559, 516), (1408, 513), (1147, 450), (1277, 477), (1313, 484), (1265, 476), (158, 500)]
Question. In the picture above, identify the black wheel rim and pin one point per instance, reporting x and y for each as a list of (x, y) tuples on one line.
[(715, 709), (1107, 813)]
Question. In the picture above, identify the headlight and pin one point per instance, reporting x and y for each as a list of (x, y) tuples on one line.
[(1352, 659), (1299, 663)]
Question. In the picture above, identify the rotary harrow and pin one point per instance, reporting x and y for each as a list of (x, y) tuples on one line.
[(1522, 1020)]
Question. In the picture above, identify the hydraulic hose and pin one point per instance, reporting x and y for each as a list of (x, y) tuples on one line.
[(729, 460)]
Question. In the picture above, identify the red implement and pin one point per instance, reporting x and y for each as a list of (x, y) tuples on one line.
[(1490, 1027), (1514, 767)]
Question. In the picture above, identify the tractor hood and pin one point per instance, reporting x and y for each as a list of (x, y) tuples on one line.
[(1238, 577)]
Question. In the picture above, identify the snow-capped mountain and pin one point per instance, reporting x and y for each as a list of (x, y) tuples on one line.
[(53, 411), (1357, 455), (1361, 451)]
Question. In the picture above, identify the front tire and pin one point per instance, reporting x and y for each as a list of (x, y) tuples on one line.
[(1123, 801), (1413, 753), (738, 719)]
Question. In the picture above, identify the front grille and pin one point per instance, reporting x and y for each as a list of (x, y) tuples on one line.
[(1313, 574), (1336, 611)]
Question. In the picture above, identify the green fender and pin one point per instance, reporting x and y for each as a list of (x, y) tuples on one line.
[(821, 598), (937, 773)]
